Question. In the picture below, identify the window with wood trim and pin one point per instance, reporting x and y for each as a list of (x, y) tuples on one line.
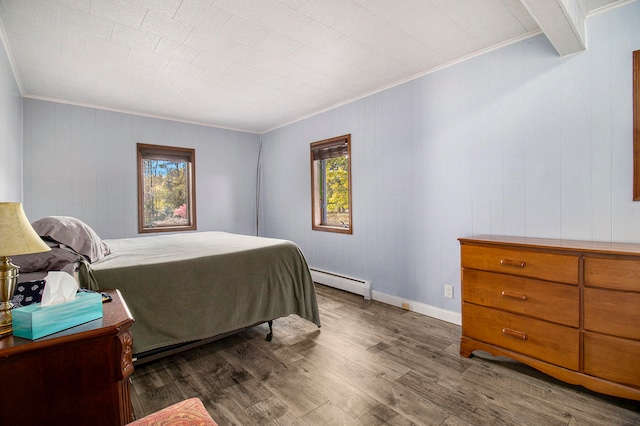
[(636, 125), (166, 189), (331, 208)]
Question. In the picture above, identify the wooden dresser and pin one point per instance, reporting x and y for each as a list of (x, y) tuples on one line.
[(79, 376), (570, 309)]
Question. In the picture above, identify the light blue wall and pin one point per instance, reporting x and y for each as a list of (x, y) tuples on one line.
[(10, 132), (81, 162), (517, 141)]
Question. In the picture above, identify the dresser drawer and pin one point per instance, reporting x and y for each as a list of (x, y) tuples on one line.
[(544, 266), (612, 358), (553, 343), (617, 274), (612, 312), (559, 303)]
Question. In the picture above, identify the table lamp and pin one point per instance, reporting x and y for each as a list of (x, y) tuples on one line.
[(16, 237)]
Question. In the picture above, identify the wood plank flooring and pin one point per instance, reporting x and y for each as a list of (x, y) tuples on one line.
[(369, 364)]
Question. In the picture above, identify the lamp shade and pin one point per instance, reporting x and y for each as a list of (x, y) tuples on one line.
[(17, 236)]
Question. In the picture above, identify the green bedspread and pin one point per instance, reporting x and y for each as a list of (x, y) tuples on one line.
[(186, 287)]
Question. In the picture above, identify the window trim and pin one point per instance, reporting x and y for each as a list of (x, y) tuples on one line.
[(160, 150), (636, 125), (316, 213)]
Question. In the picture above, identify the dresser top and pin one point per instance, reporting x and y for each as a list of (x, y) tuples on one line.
[(556, 244)]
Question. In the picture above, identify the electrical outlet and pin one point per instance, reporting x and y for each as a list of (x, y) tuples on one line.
[(448, 291)]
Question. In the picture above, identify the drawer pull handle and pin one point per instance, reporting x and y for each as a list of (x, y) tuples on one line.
[(515, 295), (513, 333), (516, 263)]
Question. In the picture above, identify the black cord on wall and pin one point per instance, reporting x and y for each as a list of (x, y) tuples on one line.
[(258, 177)]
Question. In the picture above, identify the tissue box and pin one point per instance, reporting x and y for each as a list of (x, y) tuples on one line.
[(35, 321)]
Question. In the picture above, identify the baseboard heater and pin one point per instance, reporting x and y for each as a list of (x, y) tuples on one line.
[(342, 282)]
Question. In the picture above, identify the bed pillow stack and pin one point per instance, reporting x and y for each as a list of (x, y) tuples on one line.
[(73, 233), (70, 240)]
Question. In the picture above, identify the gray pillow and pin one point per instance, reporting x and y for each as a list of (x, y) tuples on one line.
[(55, 260), (73, 233)]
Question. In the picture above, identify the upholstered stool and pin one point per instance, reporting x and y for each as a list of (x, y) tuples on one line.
[(185, 413)]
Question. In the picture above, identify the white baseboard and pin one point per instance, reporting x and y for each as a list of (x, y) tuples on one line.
[(421, 308), (363, 288)]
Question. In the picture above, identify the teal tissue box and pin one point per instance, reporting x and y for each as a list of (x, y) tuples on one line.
[(35, 321)]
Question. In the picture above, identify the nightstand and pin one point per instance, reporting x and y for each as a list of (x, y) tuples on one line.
[(76, 376)]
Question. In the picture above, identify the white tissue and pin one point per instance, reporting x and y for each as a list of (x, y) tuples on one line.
[(59, 287)]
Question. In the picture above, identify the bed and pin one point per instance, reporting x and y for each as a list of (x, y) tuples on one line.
[(184, 289)]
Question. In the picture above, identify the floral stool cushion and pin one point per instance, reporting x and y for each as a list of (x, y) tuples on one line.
[(186, 413)]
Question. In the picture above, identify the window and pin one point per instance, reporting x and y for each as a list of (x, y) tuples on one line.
[(166, 189), (331, 185), (636, 125)]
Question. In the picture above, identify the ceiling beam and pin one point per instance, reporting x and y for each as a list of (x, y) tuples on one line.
[(562, 21)]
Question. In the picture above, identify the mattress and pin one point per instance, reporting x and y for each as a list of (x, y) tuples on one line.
[(186, 287)]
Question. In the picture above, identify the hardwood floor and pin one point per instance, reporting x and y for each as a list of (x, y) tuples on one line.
[(369, 364)]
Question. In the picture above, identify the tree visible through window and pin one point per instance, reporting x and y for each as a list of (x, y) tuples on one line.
[(331, 185), (166, 188)]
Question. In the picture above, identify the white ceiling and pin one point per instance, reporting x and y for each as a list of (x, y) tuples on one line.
[(255, 65)]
